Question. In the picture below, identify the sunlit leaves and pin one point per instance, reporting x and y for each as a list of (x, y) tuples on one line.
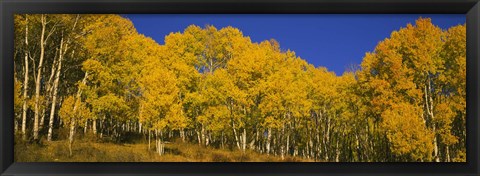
[(407, 133), (219, 88), (418, 69)]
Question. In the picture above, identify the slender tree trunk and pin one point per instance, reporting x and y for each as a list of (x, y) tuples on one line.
[(317, 146), (156, 141), (161, 145), (101, 124), (25, 84), (149, 137), (287, 140), (274, 146), (337, 153), (38, 79), (199, 138), (244, 139), (94, 126), (202, 135), (55, 90), (255, 144), (357, 147), (233, 124), (50, 87), (448, 153), (327, 139), (73, 122), (282, 144), (429, 107), (222, 141), (71, 134), (311, 152), (269, 138), (235, 134), (182, 134), (158, 146), (251, 145), (85, 127)]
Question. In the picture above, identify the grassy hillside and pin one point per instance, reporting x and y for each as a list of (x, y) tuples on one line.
[(98, 151)]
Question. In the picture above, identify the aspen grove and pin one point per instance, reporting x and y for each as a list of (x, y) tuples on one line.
[(95, 74)]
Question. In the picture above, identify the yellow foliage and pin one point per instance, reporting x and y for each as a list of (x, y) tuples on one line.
[(406, 100), (407, 132)]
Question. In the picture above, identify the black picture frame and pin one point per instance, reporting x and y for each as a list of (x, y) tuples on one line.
[(469, 7)]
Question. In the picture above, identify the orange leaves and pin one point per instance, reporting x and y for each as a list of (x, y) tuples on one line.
[(417, 70)]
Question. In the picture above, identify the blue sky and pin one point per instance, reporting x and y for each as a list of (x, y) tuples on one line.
[(329, 40)]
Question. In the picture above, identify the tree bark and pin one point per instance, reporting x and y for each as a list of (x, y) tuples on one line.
[(47, 94), (269, 138), (235, 134), (94, 126), (202, 135), (448, 153), (326, 143), (25, 84), (71, 134), (182, 134), (244, 139), (85, 127), (429, 107), (38, 79), (50, 87), (149, 137), (55, 90)]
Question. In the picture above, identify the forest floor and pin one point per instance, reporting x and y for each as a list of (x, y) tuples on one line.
[(96, 151)]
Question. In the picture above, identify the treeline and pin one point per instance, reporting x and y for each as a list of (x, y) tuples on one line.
[(215, 87)]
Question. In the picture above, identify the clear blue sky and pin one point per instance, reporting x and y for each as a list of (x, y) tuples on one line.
[(332, 41)]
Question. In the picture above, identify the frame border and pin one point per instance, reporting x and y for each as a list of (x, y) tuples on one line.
[(469, 7)]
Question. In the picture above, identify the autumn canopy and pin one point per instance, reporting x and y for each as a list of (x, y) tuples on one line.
[(95, 74)]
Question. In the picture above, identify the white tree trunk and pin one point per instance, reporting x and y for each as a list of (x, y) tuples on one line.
[(50, 87), (269, 137), (25, 84), (94, 126), (55, 91), (202, 135), (71, 134), (182, 134), (429, 107), (38, 79), (235, 134), (337, 153), (448, 154), (85, 127), (149, 136), (244, 140)]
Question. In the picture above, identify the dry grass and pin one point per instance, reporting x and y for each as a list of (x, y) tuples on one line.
[(95, 151)]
